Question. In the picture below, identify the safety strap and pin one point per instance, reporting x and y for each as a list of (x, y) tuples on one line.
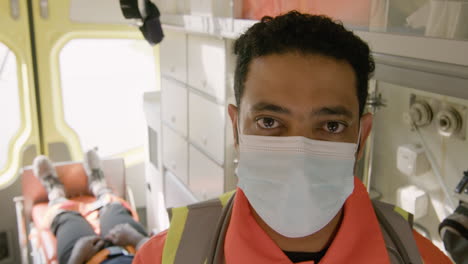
[(197, 232), (110, 252)]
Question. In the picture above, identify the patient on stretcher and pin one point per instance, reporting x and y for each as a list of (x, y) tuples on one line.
[(120, 235)]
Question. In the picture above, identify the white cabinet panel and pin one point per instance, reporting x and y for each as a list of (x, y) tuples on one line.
[(166, 7), (174, 105), (206, 177), (174, 55), (177, 194), (175, 154), (217, 8), (207, 65), (207, 126)]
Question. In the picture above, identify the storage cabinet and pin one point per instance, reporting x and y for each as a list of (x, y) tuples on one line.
[(196, 132)]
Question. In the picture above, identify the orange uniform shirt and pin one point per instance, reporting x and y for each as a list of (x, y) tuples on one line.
[(358, 240)]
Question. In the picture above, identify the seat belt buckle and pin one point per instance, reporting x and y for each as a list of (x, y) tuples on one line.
[(116, 251)]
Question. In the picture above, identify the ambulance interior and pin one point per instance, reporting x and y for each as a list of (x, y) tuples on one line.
[(79, 74)]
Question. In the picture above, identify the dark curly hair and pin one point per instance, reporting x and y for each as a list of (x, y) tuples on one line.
[(307, 34)]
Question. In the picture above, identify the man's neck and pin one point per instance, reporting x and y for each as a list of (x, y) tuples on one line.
[(312, 243)]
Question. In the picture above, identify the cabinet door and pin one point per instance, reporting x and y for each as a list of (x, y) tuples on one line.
[(206, 177), (175, 154), (207, 121), (207, 65), (174, 105), (174, 55)]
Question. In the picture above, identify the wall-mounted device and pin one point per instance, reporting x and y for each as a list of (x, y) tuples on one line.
[(413, 199), (411, 160), (444, 118), (452, 230)]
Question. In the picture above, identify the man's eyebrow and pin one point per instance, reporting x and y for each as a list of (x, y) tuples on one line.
[(334, 110), (264, 106)]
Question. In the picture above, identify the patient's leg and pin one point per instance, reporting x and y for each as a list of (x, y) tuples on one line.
[(96, 181), (114, 214), (45, 172), (111, 214), (68, 227)]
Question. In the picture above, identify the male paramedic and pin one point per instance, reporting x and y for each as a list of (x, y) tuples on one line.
[(301, 84)]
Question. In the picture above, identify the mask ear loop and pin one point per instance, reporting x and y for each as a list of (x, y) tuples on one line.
[(238, 137), (358, 144)]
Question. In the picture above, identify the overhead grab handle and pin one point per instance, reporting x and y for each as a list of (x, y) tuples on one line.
[(147, 16)]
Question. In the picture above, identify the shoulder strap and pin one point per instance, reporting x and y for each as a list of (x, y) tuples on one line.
[(396, 225), (192, 229)]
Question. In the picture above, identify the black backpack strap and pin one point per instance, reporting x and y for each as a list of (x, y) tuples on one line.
[(216, 252), (194, 229), (396, 226)]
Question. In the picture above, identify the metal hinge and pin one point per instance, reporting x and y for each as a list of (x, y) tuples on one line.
[(44, 8)]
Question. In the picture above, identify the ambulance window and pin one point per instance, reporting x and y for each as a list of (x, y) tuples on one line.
[(10, 115), (103, 81)]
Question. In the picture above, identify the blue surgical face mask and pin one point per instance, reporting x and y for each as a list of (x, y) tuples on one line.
[(295, 184)]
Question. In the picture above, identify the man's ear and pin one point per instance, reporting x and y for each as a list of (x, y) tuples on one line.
[(366, 126), (234, 114)]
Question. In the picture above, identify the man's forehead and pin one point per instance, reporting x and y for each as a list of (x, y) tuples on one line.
[(298, 61), (289, 80), (313, 111)]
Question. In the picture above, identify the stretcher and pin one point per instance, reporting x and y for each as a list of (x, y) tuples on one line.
[(36, 242)]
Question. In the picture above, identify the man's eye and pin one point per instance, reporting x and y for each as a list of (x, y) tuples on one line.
[(334, 127), (267, 123)]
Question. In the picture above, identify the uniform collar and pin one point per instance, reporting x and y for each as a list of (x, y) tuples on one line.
[(358, 238)]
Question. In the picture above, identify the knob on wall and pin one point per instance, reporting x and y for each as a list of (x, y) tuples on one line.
[(421, 113), (448, 122), (437, 116)]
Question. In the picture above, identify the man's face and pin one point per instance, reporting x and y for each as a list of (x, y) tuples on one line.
[(293, 94)]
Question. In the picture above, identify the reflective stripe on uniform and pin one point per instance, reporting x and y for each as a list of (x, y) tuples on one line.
[(402, 212), (179, 218), (225, 197)]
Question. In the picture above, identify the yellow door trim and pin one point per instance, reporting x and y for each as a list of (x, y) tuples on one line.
[(16, 36)]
